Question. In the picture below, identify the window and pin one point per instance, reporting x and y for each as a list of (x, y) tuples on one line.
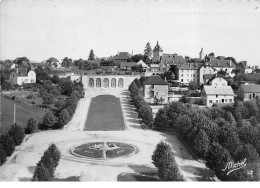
[(222, 100), (230, 100), (216, 101), (253, 95), (225, 100), (181, 75), (210, 101), (250, 96), (181, 80), (216, 96), (203, 71), (32, 80)]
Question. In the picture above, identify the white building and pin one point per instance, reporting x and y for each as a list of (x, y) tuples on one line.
[(20, 76), (225, 65), (188, 72), (217, 95), (205, 69)]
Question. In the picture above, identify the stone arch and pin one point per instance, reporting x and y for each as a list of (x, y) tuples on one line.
[(106, 82), (98, 82), (113, 82), (91, 82), (121, 83)]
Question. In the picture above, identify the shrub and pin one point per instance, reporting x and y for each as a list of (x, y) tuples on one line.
[(49, 120), (41, 173), (161, 119), (146, 115), (54, 153), (7, 143), (2, 155), (253, 121), (170, 172), (17, 134), (32, 126), (161, 153), (48, 162)]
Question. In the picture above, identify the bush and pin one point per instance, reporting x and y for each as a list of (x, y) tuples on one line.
[(48, 162), (54, 153), (32, 126), (201, 143), (7, 143), (17, 134), (2, 155), (170, 172), (161, 119), (161, 153)]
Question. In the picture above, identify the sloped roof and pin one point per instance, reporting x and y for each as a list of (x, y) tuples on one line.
[(221, 57), (222, 63), (157, 47), (122, 55), (190, 66), (142, 63), (224, 90), (251, 88), (127, 64), (21, 71), (172, 58), (155, 80)]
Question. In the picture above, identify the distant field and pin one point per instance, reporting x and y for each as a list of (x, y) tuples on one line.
[(23, 113), (105, 113)]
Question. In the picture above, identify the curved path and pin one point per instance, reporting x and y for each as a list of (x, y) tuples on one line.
[(21, 165)]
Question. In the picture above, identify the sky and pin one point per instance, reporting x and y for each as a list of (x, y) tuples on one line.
[(40, 29)]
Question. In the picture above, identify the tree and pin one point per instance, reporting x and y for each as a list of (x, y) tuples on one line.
[(146, 115), (66, 62), (7, 143), (17, 134), (193, 85), (201, 143), (54, 153), (55, 79), (48, 98), (254, 121), (22, 62), (49, 120), (2, 155), (63, 118), (48, 162), (212, 54), (41, 173), (160, 154), (148, 51), (184, 99), (52, 61), (32, 126), (91, 56), (161, 119)]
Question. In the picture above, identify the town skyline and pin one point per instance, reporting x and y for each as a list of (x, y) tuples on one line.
[(40, 30)]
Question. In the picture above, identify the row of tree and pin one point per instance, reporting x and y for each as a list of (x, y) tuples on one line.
[(143, 109), (9, 140), (45, 168), (216, 137)]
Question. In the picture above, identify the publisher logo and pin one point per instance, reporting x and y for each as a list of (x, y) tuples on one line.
[(231, 166)]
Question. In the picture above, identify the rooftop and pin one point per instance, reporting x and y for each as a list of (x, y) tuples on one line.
[(222, 63), (251, 88), (155, 80), (224, 90), (190, 66)]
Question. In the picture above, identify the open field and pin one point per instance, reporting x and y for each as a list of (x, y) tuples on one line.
[(105, 114), (23, 113)]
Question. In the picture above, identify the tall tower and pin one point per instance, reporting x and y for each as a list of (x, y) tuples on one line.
[(202, 54), (157, 52)]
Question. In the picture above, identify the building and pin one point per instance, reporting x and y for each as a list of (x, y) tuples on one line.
[(225, 65), (248, 91), (217, 95), (188, 72), (205, 69), (245, 68), (20, 76), (155, 88), (127, 65), (154, 69), (206, 78), (217, 81), (201, 54), (157, 53), (144, 66), (122, 56), (172, 59)]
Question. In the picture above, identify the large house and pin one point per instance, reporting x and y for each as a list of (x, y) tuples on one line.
[(188, 72), (122, 56), (21, 76), (248, 91), (225, 65), (172, 59), (127, 65), (217, 81), (155, 88), (205, 69), (217, 95)]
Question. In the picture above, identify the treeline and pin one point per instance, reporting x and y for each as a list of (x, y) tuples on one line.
[(143, 109), (45, 168), (218, 135), (9, 140)]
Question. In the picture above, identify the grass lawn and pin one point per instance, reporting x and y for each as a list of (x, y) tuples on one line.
[(105, 114), (23, 113)]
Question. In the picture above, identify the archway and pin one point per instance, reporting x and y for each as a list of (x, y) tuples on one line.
[(106, 83), (121, 83), (98, 84), (91, 82), (113, 82)]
